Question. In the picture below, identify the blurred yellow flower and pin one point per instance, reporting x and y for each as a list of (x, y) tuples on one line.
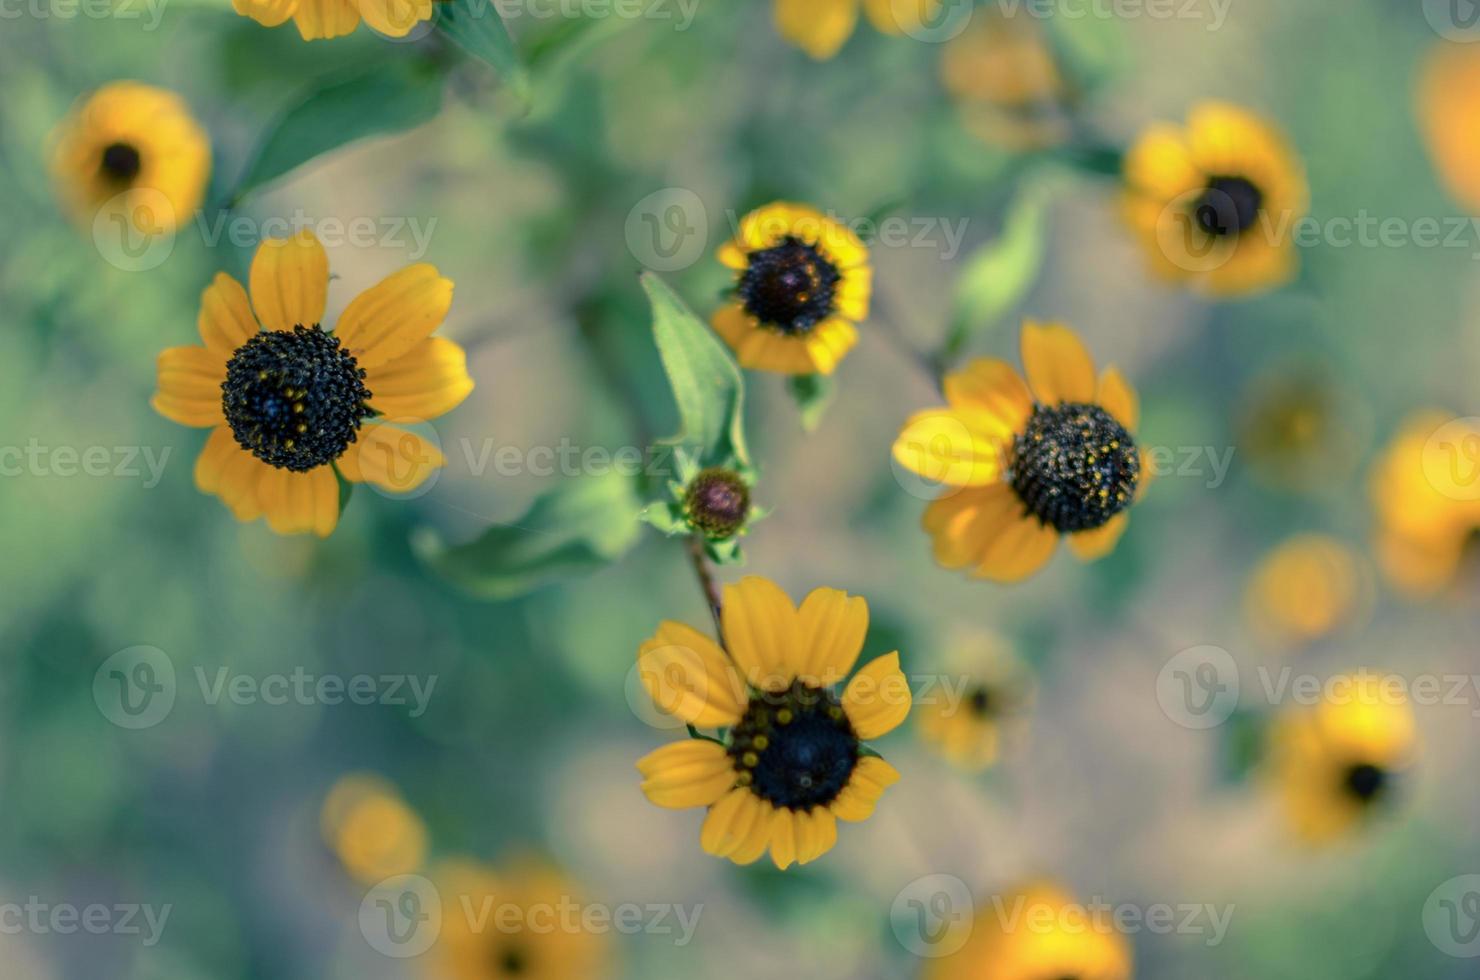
[(1023, 465), (1299, 429), (1005, 82), (802, 284), (1036, 932), (290, 405), (319, 19), (822, 27), (1448, 110), (526, 921), (1216, 203), (372, 830), (967, 716), (1306, 588), (1337, 762), (135, 151), (792, 762)]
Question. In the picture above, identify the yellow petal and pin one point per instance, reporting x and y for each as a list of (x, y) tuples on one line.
[(290, 281), (268, 13), (758, 837), (761, 348), (300, 503), (1118, 398), (1019, 550), (832, 626), (1159, 165), (228, 471), (688, 677), (817, 832), (1059, 368), (865, 786), (728, 824), (225, 321), (898, 17), (317, 19), (958, 449), (992, 387), (395, 18), (396, 314), (1090, 545), (190, 385), (878, 697), (829, 342), (818, 27), (695, 772), (429, 380), (962, 523), (760, 627), (784, 838), (394, 459)]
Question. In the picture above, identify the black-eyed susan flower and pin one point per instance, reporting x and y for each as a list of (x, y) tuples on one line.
[(984, 694), (1006, 82), (802, 284), (136, 151), (320, 19), (371, 829), (1448, 111), (1216, 202), (289, 404), (1338, 763), (525, 920), (1307, 588), (1023, 464), (791, 761), (822, 27), (1036, 931)]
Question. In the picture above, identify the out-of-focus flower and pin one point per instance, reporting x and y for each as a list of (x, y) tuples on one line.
[(1448, 110), (135, 150), (291, 404), (320, 19), (1307, 588), (1022, 466), (1215, 203), (525, 921), (371, 829), (967, 724), (1296, 429), (1426, 499), (802, 284), (822, 27), (1036, 932), (792, 761), (1338, 762), (1005, 82)]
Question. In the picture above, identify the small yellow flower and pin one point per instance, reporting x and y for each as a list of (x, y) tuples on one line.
[(1036, 932), (1006, 82), (1448, 109), (372, 829), (1023, 465), (1307, 588), (802, 284), (289, 404), (135, 150), (822, 27), (319, 19), (525, 921), (1216, 202), (792, 761), (1335, 763), (967, 723)]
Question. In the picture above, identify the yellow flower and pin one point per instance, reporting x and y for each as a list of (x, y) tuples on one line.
[(1036, 932), (135, 150), (526, 921), (821, 27), (1216, 203), (1005, 81), (318, 19), (373, 831), (966, 724), (1022, 466), (1336, 762), (1448, 110), (290, 404), (802, 283), (1307, 588), (792, 762)]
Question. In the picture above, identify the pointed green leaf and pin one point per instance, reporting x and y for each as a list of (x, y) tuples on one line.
[(477, 27)]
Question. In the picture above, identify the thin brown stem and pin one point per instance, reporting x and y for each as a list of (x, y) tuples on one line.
[(707, 584)]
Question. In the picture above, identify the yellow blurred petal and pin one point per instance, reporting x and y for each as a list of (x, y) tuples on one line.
[(318, 19), (1059, 368), (1021, 549), (225, 320), (300, 503), (829, 342), (1090, 545), (728, 824), (429, 380), (268, 13), (952, 447), (689, 677), (1118, 398), (189, 389), (818, 27), (694, 772), (878, 697), (395, 315), (290, 281), (228, 471), (392, 458), (832, 626), (1449, 115), (992, 387), (761, 632), (395, 18), (870, 777)]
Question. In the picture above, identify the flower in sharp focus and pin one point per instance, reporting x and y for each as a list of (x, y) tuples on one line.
[(1036, 932), (791, 761), (822, 27), (371, 829), (320, 19), (967, 717), (802, 284), (289, 404), (1025, 463), (1338, 763), (525, 921), (1307, 588), (136, 150), (1215, 203), (1005, 81)]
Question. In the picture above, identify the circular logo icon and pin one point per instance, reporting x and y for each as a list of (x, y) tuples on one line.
[(1198, 688), (135, 231), (403, 16), (406, 459), (401, 916), (931, 21), (1451, 917), (1454, 20), (931, 916), (1182, 230), (936, 456), (668, 230), (642, 679), (1451, 459), (135, 688)]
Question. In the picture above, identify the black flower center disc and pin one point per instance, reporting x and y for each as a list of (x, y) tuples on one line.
[(120, 162), (981, 702), (790, 287), (1228, 206), (796, 748), (510, 960), (717, 502), (1074, 467), (1366, 782), (295, 400)]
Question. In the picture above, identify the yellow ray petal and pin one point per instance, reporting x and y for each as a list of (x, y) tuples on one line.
[(1090, 545), (878, 697), (1058, 366), (226, 470), (784, 838), (758, 838), (818, 27), (290, 281), (829, 342), (760, 627), (831, 626), (1117, 397), (695, 772), (190, 385), (865, 786), (1019, 550), (268, 13), (300, 503), (994, 388), (392, 458), (688, 677), (958, 449), (817, 832), (225, 321), (728, 823), (429, 380), (395, 18), (393, 316), (317, 19)]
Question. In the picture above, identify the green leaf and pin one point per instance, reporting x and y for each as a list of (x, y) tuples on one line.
[(582, 525), (477, 27), (813, 393), (706, 382), (382, 99)]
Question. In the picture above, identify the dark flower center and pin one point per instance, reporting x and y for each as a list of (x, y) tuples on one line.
[(717, 502), (294, 399), (120, 162), (509, 961), (794, 748), (789, 287), (980, 702), (1366, 782), (1074, 467), (1228, 206)]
